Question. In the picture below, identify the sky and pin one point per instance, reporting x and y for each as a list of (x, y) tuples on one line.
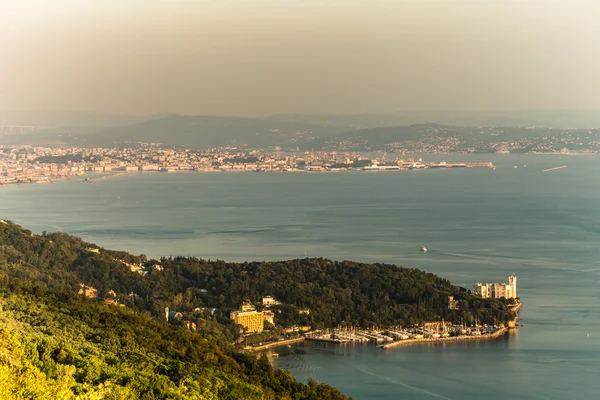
[(263, 57)]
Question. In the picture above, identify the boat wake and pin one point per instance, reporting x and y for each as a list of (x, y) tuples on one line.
[(555, 168), (395, 381)]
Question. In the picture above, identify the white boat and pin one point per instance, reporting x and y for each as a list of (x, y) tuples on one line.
[(423, 249)]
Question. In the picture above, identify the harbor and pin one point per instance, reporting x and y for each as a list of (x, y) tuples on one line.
[(493, 335), (400, 336)]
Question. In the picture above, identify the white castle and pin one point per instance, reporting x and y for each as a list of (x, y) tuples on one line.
[(497, 290)]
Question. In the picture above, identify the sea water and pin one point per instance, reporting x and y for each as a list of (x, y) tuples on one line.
[(478, 224)]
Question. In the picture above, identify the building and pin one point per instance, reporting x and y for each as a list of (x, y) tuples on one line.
[(269, 301), (452, 304), (497, 290), (88, 291), (250, 319)]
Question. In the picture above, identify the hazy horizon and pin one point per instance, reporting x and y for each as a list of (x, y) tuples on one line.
[(268, 57)]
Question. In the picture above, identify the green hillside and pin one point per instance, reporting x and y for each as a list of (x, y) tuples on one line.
[(56, 343), (209, 132)]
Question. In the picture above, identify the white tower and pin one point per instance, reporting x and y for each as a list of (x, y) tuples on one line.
[(167, 313), (512, 281)]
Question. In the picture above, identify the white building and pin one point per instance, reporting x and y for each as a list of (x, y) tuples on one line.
[(269, 301), (497, 290)]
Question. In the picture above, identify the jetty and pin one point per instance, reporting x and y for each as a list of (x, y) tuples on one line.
[(405, 342)]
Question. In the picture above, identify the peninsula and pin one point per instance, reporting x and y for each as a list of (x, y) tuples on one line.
[(253, 303)]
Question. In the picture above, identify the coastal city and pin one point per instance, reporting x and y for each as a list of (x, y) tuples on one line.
[(28, 164)]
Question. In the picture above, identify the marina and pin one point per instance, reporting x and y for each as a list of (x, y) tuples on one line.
[(401, 336)]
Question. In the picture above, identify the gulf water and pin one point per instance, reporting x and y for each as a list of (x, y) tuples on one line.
[(478, 224)]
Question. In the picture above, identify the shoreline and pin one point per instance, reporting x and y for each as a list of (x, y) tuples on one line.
[(274, 344), (495, 335)]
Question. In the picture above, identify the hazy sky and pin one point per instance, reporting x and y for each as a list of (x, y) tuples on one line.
[(259, 57)]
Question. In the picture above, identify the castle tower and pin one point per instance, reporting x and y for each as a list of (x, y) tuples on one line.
[(512, 281)]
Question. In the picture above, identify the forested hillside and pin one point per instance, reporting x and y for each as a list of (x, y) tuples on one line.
[(335, 292), (56, 343)]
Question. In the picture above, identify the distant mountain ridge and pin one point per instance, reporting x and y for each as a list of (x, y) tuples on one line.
[(368, 132), (435, 138), (210, 132)]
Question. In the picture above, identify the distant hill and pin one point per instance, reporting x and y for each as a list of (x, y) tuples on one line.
[(431, 138), (519, 132), (210, 132)]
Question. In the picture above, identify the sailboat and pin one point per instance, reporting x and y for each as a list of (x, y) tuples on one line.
[(463, 330), (477, 332), (445, 334)]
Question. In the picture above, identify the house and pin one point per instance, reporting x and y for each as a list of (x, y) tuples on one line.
[(88, 291), (269, 301)]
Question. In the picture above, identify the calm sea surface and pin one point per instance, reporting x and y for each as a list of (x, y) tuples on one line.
[(479, 225)]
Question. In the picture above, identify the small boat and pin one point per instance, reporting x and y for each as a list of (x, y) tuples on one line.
[(423, 249)]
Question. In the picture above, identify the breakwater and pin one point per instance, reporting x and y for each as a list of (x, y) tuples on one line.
[(399, 343)]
